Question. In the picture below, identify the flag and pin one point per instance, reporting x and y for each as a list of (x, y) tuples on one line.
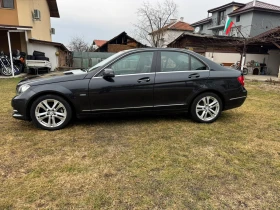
[(228, 25)]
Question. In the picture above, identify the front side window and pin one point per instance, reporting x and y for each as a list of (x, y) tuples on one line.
[(7, 4), (136, 63), (174, 61)]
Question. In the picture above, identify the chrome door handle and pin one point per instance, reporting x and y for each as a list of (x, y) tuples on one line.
[(146, 79), (194, 76)]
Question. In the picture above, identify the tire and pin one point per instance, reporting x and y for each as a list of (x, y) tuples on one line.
[(50, 112), (201, 111), (38, 53), (30, 57), (245, 71), (42, 58), (6, 71)]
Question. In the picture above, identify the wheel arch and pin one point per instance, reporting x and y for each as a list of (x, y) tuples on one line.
[(218, 93), (48, 92)]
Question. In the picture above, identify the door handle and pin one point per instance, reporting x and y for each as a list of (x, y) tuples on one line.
[(146, 79), (194, 76)]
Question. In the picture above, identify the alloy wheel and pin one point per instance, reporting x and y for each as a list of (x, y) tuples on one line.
[(207, 108), (50, 113)]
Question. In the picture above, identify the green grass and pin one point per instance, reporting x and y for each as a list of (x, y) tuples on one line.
[(145, 162)]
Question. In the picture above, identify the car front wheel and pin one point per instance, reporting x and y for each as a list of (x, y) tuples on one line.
[(51, 112), (206, 108)]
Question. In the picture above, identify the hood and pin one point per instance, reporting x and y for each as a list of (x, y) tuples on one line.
[(54, 78)]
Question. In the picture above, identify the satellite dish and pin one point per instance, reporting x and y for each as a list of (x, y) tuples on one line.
[(197, 30)]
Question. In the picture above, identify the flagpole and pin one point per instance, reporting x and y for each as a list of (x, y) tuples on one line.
[(244, 48)]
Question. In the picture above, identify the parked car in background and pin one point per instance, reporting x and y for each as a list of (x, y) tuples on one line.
[(139, 80)]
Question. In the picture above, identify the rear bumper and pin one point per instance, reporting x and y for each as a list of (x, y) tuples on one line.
[(237, 101)]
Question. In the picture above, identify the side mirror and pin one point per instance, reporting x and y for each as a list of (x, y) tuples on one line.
[(108, 73)]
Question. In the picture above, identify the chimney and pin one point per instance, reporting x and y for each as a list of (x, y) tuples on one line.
[(254, 3), (172, 20), (182, 19)]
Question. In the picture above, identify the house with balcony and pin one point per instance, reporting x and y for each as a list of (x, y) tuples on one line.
[(250, 20), (25, 25)]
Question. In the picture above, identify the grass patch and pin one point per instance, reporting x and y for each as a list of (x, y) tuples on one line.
[(145, 162)]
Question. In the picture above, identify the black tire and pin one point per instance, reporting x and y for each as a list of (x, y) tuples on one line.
[(42, 58), (30, 57), (198, 100), (245, 71), (38, 53), (35, 109)]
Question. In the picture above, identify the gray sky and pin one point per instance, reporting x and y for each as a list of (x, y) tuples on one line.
[(104, 19)]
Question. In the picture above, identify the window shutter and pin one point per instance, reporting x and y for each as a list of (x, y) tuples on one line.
[(8, 3)]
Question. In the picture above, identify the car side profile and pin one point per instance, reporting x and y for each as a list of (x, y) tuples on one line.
[(138, 80)]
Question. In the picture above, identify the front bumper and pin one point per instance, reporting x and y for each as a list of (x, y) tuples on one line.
[(20, 105)]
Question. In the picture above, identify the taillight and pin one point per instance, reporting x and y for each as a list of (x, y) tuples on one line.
[(241, 80)]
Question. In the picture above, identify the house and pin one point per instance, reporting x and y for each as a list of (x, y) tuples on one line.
[(26, 26), (171, 31), (250, 19), (99, 43), (119, 43)]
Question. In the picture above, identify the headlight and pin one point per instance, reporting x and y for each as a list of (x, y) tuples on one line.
[(23, 88)]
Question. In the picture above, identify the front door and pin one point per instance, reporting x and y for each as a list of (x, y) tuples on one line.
[(130, 89), (178, 76)]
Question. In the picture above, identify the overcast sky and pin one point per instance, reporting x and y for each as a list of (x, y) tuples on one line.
[(104, 19)]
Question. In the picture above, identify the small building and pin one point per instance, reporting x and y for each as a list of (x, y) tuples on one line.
[(171, 31), (26, 26), (119, 43)]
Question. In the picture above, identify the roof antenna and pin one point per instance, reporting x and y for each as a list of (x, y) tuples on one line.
[(254, 3)]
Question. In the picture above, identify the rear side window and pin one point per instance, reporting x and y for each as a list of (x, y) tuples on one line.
[(197, 64), (174, 61)]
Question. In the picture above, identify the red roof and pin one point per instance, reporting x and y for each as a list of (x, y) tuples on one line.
[(181, 26), (99, 43), (259, 5)]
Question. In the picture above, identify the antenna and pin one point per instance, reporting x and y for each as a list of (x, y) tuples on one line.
[(254, 3)]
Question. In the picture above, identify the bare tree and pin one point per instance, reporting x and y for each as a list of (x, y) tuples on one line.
[(78, 44), (152, 21)]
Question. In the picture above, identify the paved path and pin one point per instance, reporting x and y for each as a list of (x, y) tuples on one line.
[(262, 78)]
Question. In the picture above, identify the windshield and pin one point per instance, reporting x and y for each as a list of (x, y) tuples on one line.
[(107, 60)]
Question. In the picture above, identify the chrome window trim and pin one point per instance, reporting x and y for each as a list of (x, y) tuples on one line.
[(190, 54), (124, 75), (237, 98), (125, 54), (168, 72)]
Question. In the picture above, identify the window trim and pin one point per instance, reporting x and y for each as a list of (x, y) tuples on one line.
[(238, 18), (97, 75), (8, 8), (158, 70)]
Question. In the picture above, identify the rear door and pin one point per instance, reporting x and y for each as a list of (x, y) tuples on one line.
[(178, 76)]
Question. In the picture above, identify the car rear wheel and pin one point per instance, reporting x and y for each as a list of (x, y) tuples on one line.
[(206, 108), (51, 112)]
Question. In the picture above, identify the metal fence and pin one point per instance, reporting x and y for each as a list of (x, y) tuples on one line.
[(88, 59)]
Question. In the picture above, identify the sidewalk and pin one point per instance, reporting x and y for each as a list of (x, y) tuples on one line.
[(262, 78)]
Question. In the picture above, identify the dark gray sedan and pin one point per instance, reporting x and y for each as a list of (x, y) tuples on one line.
[(139, 80)]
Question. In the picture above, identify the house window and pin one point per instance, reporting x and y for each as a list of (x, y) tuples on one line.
[(7, 4), (221, 17), (201, 28), (238, 18)]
